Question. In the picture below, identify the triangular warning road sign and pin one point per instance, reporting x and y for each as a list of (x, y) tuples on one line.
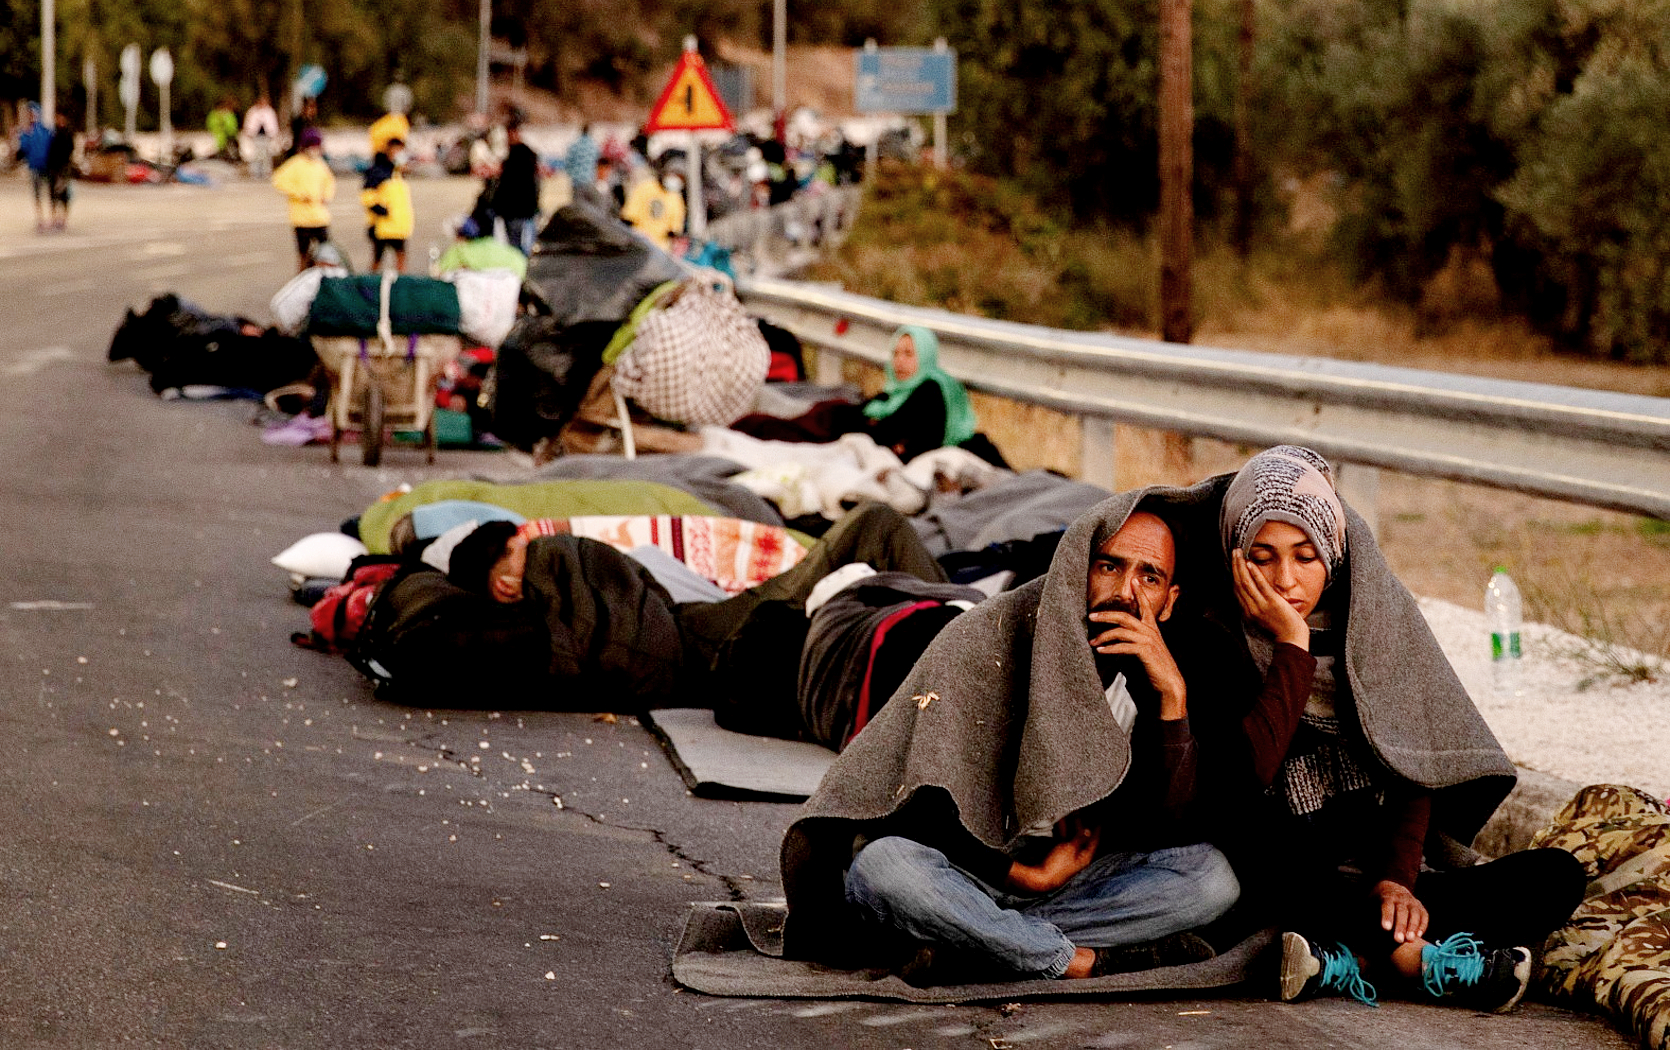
[(689, 102)]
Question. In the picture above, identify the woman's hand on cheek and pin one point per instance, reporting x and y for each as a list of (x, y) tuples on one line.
[(1262, 605)]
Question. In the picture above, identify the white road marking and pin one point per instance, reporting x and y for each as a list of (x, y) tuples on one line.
[(33, 362), (50, 605), (161, 250), (229, 886)]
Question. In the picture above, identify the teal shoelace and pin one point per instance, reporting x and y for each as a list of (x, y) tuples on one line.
[(1340, 973), (1457, 960)]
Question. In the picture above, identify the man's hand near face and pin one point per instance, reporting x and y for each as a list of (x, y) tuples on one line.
[(1139, 636)]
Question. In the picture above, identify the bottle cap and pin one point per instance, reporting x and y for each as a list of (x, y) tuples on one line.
[(1500, 570)]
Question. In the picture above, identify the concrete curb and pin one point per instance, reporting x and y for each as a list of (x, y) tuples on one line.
[(1526, 811)]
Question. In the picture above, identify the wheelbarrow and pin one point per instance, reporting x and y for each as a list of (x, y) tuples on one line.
[(385, 382)]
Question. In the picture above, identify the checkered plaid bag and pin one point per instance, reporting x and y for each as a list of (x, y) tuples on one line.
[(698, 360)]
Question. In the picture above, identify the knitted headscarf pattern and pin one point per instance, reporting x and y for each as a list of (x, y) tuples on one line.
[(1290, 484)]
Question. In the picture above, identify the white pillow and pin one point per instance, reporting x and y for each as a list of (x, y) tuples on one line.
[(323, 554)]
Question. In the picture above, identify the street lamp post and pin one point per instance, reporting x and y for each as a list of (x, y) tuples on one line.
[(485, 18), (49, 61)]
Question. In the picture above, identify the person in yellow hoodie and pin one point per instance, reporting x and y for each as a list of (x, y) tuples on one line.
[(388, 205), (306, 180), (656, 208)]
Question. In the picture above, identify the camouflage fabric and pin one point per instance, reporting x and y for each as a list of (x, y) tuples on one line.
[(1641, 1003), (1615, 951)]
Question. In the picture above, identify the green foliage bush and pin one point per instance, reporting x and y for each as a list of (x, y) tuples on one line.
[(1529, 131)]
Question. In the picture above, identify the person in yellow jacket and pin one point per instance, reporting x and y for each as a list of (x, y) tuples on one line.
[(388, 205), (656, 209), (306, 180)]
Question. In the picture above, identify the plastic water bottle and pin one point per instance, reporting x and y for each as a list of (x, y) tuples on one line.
[(1502, 611)]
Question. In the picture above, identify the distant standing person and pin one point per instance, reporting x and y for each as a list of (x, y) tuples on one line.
[(305, 117), (223, 125), (306, 181), (516, 196), (581, 160), (261, 125), (60, 158), (388, 205), (33, 143)]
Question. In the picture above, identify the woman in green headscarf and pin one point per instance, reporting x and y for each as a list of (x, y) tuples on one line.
[(921, 408)]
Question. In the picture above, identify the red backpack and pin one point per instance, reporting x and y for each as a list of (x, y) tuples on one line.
[(338, 616)]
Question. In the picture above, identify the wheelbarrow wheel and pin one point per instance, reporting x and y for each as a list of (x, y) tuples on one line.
[(371, 431)]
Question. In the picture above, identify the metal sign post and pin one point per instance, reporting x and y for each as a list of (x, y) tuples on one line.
[(90, 84), (162, 72), (128, 89), (49, 62)]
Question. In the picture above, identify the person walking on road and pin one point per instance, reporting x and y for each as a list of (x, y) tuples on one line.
[(305, 118), (261, 127), (306, 181), (388, 205), (33, 143), (581, 160), (60, 168), (516, 192)]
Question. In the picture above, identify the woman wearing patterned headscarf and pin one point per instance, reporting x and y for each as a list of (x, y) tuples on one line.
[(1338, 715)]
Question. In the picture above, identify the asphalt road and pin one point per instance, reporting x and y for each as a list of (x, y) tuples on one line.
[(213, 839)]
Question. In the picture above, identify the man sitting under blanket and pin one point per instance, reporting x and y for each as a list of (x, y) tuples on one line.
[(1022, 805)]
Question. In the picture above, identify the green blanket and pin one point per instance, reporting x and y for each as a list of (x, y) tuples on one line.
[(544, 499)]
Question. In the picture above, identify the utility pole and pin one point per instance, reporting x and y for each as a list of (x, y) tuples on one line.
[(779, 56), (1242, 234), (1176, 170), (49, 62)]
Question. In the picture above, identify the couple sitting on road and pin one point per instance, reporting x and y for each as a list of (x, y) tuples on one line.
[(1218, 712)]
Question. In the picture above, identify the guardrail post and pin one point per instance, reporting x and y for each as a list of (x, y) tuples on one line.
[(1359, 486), (1098, 448), (827, 371)]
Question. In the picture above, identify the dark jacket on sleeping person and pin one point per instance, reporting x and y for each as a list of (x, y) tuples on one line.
[(614, 636)]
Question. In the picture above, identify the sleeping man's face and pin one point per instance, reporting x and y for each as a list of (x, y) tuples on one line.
[(504, 580)]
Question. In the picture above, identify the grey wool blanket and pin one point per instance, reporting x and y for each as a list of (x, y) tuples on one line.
[(1000, 727), (1415, 713)]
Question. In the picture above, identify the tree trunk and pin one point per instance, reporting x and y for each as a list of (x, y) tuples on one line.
[(1176, 170)]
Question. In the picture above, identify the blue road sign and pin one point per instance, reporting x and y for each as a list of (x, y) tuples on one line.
[(906, 80)]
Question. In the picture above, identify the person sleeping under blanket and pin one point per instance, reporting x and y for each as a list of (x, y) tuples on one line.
[(617, 638)]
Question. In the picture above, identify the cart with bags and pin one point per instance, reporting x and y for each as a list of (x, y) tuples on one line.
[(384, 379)]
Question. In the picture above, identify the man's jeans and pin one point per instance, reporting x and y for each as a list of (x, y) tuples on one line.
[(1118, 899)]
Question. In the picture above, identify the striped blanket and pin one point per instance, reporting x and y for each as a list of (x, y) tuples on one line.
[(733, 553)]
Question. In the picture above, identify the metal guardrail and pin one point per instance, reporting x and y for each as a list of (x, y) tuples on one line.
[(1585, 446), (783, 235)]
